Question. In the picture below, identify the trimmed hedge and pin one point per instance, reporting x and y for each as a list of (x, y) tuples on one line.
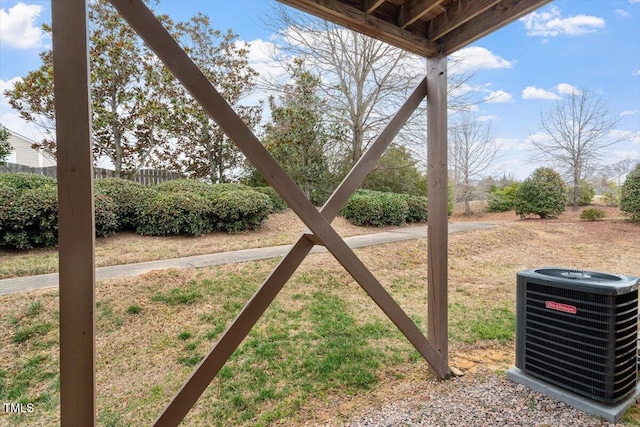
[(32, 220), (278, 205), (29, 208), (24, 181), (128, 200), (106, 216), (217, 207), (417, 208), (28, 211), (376, 208), (235, 211), (168, 213)]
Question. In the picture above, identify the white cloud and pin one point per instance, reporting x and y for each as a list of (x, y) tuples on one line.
[(636, 72), (551, 23), (626, 135), (476, 58), (487, 118), (627, 113), (532, 92), (17, 26), (622, 13), (260, 57), (634, 1), (567, 89), (498, 96)]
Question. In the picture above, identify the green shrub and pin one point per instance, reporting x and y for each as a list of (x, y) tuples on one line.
[(630, 194), (502, 199), (105, 215), (199, 187), (585, 193), (168, 213), (231, 207), (417, 208), (25, 181), (33, 219), (239, 210), (367, 207), (29, 212), (8, 198), (612, 197), (278, 205), (592, 214), (543, 193), (129, 199), (184, 186)]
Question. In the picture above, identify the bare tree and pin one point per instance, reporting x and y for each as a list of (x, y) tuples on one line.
[(620, 169), (472, 150), (363, 79), (576, 130)]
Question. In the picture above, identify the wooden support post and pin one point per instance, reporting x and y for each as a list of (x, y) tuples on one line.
[(437, 203), (75, 210)]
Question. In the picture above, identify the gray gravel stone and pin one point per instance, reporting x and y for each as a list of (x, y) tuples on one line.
[(478, 401)]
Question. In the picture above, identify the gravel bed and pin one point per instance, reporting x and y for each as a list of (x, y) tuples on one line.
[(480, 401)]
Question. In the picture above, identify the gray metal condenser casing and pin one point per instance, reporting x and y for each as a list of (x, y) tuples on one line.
[(578, 330)]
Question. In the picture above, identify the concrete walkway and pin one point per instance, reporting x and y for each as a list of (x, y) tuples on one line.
[(19, 284)]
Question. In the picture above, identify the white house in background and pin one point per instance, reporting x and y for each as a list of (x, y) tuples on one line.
[(23, 154)]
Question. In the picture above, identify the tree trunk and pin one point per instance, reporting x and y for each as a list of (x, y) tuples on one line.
[(576, 189)]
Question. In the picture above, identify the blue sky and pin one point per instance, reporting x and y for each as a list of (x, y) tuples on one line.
[(523, 68)]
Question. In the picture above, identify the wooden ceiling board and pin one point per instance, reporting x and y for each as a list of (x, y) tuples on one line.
[(423, 27)]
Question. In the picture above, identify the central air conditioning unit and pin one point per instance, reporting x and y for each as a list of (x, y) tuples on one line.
[(578, 330)]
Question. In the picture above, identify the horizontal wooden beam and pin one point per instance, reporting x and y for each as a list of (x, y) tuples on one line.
[(371, 5), (413, 10), (458, 14), (357, 20), (488, 21)]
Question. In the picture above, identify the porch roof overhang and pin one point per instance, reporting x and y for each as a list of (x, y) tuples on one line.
[(423, 27)]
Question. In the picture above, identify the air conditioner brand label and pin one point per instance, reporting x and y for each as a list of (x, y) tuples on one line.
[(566, 308)]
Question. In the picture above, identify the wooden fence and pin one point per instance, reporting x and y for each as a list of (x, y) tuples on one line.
[(144, 176)]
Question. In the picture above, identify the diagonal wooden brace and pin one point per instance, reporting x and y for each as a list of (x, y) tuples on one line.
[(147, 26)]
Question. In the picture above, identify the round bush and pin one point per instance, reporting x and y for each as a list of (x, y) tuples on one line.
[(367, 207), (106, 216), (592, 214), (502, 200), (167, 213), (630, 194), (128, 200), (543, 193), (33, 219), (239, 210), (278, 205)]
